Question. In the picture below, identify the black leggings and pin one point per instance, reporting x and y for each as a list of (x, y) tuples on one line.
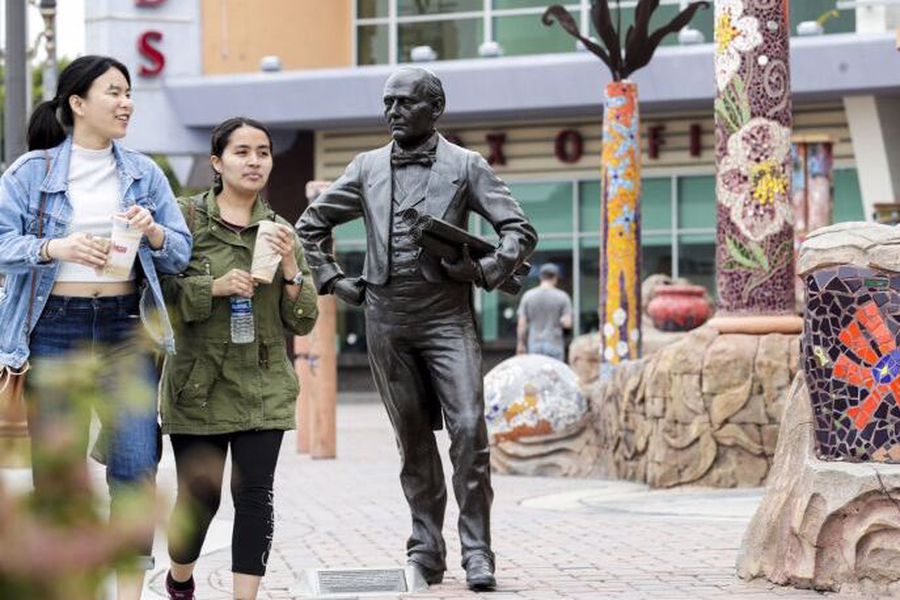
[(200, 464)]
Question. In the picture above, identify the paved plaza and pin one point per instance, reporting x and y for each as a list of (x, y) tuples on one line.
[(554, 538)]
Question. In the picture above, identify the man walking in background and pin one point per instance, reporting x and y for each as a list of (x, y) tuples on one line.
[(543, 314)]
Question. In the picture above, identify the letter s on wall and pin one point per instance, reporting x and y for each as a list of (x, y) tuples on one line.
[(153, 55)]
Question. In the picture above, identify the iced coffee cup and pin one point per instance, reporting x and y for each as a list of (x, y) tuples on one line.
[(265, 259), (123, 247)]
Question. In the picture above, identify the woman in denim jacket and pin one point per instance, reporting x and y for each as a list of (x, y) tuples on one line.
[(62, 313)]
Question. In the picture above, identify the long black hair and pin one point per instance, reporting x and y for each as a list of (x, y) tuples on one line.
[(46, 127), (221, 135)]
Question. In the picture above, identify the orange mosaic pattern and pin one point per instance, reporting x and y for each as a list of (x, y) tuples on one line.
[(879, 372), (620, 227)]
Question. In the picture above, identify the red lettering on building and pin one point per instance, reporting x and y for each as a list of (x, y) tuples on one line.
[(156, 59), (696, 140), (495, 143), (148, 3), (655, 140), (454, 139), (569, 146)]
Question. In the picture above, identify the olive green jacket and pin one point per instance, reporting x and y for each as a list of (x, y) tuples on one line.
[(211, 385)]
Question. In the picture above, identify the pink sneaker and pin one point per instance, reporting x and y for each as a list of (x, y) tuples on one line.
[(174, 594)]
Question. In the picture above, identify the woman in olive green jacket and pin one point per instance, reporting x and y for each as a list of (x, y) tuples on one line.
[(231, 384)]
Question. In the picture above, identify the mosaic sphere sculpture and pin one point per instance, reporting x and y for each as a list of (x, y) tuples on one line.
[(530, 395)]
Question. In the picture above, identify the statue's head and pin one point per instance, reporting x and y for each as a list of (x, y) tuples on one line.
[(413, 102)]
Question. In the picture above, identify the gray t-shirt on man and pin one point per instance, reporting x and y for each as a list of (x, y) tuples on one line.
[(543, 308)]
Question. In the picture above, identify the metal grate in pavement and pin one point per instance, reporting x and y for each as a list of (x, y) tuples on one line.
[(338, 583), (362, 581)]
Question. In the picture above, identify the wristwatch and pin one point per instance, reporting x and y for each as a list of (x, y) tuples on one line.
[(295, 280)]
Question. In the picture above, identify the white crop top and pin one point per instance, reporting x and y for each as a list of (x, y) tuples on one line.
[(94, 193)]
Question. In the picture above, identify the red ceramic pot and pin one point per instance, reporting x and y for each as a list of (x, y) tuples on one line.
[(679, 307)]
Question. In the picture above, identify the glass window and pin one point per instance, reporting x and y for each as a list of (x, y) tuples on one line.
[(351, 323), (353, 231), (372, 45), (703, 20), (499, 316), (810, 10), (525, 34), (656, 255), (656, 204), (370, 9), (589, 284), (697, 202), (589, 206), (848, 204), (548, 205), (502, 4), (407, 8), (449, 39), (697, 259)]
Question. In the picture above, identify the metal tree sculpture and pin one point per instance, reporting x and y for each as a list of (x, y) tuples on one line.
[(620, 164)]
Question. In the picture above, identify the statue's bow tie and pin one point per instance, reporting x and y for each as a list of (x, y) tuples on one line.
[(401, 159)]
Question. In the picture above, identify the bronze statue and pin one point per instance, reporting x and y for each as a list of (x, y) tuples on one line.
[(423, 343)]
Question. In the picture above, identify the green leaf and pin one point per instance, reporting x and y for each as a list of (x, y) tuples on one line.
[(783, 255), (760, 255), (741, 99), (739, 253), (731, 266), (721, 108)]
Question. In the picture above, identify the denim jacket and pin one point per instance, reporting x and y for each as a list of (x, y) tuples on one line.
[(21, 189)]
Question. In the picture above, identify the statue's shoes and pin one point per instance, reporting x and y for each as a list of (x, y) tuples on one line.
[(480, 574), (431, 576)]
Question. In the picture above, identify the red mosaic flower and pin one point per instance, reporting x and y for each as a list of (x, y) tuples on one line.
[(879, 372)]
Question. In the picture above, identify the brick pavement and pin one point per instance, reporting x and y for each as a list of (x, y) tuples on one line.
[(349, 513)]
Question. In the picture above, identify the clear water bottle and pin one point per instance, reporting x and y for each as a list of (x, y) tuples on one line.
[(242, 328)]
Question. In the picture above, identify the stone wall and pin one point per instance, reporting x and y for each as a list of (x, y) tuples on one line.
[(704, 410)]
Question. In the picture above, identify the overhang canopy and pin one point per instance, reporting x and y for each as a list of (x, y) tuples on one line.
[(827, 67)]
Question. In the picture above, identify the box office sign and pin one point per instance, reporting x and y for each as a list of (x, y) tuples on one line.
[(543, 148), (568, 144)]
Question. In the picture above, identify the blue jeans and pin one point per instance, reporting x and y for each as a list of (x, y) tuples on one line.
[(547, 349), (87, 355)]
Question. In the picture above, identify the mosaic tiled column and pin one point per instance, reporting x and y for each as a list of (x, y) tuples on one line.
[(811, 190), (813, 202), (620, 225), (755, 237)]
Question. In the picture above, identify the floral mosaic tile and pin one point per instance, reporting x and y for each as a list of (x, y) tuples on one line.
[(851, 358)]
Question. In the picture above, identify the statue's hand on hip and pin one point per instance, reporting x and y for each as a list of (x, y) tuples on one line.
[(351, 290), (464, 268)]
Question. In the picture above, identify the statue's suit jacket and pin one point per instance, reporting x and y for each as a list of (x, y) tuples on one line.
[(460, 181)]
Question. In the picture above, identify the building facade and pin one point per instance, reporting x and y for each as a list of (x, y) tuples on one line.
[(535, 112)]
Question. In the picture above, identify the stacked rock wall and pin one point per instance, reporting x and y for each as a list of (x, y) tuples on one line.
[(704, 410)]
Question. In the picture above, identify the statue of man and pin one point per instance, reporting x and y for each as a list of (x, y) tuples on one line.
[(423, 343)]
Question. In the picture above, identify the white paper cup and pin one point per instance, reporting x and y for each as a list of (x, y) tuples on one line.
[(265, 259), (123, 247)]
